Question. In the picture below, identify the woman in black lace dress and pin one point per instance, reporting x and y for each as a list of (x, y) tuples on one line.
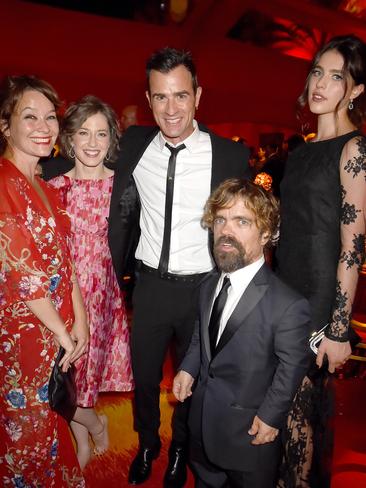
[(323, 200)]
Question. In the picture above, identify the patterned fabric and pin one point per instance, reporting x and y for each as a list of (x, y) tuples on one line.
[(35, 445), (323, 194), (107, 366)]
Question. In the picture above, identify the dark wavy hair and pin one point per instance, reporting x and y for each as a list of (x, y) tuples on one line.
[(77, 113), (167, 59), (262, 203), (11, 91), (353, 51)]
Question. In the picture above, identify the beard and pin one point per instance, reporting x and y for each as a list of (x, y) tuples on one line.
[(233, 260)]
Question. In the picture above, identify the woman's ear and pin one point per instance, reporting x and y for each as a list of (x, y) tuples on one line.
[(4, 127), (357, 90)]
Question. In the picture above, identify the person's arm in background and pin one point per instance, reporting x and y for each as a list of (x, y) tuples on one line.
[(353, 187)]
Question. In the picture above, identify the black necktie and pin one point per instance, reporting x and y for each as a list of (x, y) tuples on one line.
[(165, 248), (217, 309)]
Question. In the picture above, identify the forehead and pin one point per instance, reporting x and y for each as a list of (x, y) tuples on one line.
[(97, 119), (177, 79), (332, 59), (35, 100), (237, 207)]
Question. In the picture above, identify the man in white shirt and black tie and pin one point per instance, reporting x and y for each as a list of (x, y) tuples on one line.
[(249, 352), (162, 180)]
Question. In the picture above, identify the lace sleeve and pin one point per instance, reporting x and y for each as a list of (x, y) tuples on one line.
[(353, 188)]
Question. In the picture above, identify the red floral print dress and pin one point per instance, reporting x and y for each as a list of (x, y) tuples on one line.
[(35, 444), (107, 366)]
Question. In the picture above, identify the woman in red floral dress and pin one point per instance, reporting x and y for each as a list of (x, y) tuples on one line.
[(40, 303)]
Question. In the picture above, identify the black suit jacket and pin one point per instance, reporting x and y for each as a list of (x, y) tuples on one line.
[(260, 361), (229, 160)]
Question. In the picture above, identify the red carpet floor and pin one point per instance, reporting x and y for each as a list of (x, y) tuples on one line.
[(110, 470), (349, 462)]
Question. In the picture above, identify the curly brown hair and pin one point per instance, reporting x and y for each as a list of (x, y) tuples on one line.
[(262, 203)]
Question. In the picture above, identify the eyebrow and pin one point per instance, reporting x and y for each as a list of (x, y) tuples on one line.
[(331, 70), (35, 109), (236, 217), (183, 92), (97, 130)]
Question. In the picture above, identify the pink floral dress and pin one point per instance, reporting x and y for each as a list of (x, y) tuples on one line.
[(35, 444), (107, 366)]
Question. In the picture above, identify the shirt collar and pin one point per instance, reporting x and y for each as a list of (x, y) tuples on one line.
[(190, 142), (241, 278)]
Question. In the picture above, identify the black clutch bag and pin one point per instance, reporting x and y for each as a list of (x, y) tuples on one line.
[(62, 389)]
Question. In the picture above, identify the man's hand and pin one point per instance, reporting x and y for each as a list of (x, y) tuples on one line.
[(79, 334), (182, 385), (337, 353), (263, 433)]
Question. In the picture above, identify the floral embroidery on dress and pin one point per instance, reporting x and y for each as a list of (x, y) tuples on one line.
[(35, 445)]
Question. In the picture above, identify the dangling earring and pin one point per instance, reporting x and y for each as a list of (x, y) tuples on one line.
[(350, 105), (71, 153), (107, 156)]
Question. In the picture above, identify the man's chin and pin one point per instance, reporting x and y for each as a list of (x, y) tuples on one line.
[(228, 262)]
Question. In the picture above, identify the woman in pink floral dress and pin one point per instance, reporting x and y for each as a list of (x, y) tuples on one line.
[(89, 136), (40, 304)]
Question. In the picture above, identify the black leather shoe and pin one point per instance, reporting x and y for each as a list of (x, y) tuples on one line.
[(176, 473), (140, 468)]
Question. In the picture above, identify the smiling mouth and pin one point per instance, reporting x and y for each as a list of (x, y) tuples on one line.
[(42, 140), (91, 153), (172, 121)]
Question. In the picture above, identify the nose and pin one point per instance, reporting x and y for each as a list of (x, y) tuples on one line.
[(320, 82), (42, 125), (92, 140), (171, 106), (226, 229)]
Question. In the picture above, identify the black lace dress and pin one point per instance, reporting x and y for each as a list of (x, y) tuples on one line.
[(319, 253)]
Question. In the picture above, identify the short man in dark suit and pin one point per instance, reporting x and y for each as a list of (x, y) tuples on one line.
[(249, 351), (155, 217)]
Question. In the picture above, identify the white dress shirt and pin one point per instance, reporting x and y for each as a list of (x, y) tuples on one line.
[(189, 253), (239, 281)]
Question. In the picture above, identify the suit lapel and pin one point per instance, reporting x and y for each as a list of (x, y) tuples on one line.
[(132, 149), (218, 170), (249, 300), (207, 291), (218, 173)]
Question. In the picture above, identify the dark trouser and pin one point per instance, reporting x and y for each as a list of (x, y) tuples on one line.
[(162, 310), (208, 475)]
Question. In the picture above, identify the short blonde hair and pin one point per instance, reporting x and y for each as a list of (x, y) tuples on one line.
[(262, 203)]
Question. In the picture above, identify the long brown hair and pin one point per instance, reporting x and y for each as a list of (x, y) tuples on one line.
[(353, 51)]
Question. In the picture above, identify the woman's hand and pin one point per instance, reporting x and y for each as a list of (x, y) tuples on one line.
[(337, 353), (80, 335), (64, 339)]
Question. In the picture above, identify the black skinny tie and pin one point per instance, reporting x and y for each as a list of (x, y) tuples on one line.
[(217, 309), (165, 249)]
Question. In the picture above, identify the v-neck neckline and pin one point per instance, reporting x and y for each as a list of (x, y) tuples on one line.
[(35, 194)]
